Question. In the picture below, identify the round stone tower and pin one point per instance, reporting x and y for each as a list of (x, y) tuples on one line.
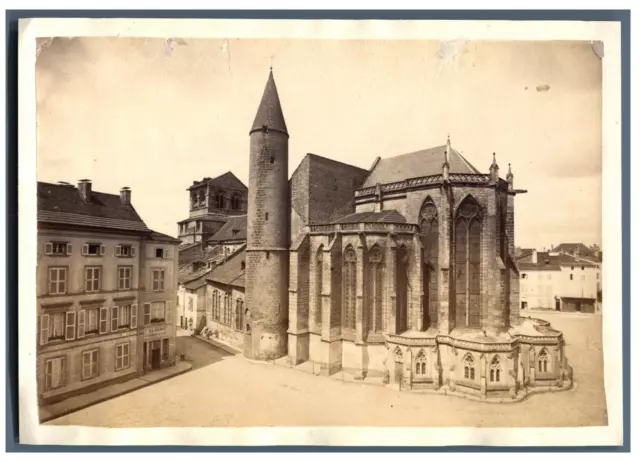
[(267, 262)]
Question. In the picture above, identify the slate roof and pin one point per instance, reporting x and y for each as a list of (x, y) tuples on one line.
[(550, 261), (230, 272), (417, 164), (235, 229), (62, 204), (386, 216), (226, 181), (270, 111), (156, 236)]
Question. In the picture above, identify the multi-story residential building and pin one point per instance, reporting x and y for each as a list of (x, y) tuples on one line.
[(102, 276), (558, 281)]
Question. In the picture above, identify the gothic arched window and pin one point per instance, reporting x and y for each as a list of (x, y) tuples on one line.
[(421, 363), (318, 286), (349, 289), (374, 314), (469, 367), (494, 370), (543, 361), (468, 231), (402, 285), (430, 238)]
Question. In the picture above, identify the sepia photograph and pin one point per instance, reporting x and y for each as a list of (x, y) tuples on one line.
[(319, 232)]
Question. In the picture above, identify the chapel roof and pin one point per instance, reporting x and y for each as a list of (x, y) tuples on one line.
[(270, 111), (425, 162), (386, 216)]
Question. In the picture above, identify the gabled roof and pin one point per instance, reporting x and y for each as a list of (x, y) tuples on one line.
[(235, 229), (62, 204), (156, 236), (579, 250), (226, 181), (386, 216), (230, 272), (549, 261), (417, 164), (270, 111)]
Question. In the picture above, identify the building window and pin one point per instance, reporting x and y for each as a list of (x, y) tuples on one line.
[(56, 326), (421, 364), (239, 320), (543, 361), (374, 315), (468, 230), (122, 356), (571, 277), (494, 370), (157, 311), (92, 279), (124, 277), (349, 289), (54, 373), (92, 250), (124, 316), (89, 364), (220, 200), (165, 349), (91, 321), (203, 202), (57, 281), (572, 268), (104, 320), (125, 250), (57, 249), (218, 305), (402, 286), (524, 275), (158, 280), (190, 304), (242, 265), (430, 242), (235, 202), (318, 286), (469, 367)]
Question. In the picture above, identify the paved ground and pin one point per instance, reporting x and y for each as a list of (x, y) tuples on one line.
[(197, 352), (236, 392)]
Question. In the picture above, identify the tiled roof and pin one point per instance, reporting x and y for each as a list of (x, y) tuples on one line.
[(417, 164), (270, 112), (227, 181), (235, 229), (63, 204), (230, 272), (386, 216), (156, 236), (549, 261)]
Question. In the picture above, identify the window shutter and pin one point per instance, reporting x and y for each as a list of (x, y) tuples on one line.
[(133, 251), (70, 326), (81, 323), (44, 329), (134, 315), (104, 320), (48, 248), (167, 312), (69, 249), (103, 249), (85, 249), (114, 318), (118, 251), (147, 314)]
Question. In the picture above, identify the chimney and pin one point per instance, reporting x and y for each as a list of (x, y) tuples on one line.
[(125, 195), (534, 257), (84, 186)]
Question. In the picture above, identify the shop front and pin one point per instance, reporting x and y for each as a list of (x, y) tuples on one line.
[(157, 348)]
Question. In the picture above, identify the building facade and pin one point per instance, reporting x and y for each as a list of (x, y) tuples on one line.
[(92, 293), (414, 281), (559, 281)]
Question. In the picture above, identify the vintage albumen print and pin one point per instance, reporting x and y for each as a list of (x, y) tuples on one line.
[(308, 232)]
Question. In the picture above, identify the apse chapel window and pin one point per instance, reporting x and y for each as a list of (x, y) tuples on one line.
[(374, 318), (430, 242), (469, 368), (468, 231), (494, 370), (349, 289)]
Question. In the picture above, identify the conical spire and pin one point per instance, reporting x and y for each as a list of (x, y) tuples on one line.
[(270, 112), (493, 169), (510, 178)]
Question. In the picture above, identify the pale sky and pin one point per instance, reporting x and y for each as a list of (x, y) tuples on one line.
[(155, 116)]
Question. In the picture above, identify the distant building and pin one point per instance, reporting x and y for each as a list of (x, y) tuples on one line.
[(211, 202), (106, 285), (559, 281)]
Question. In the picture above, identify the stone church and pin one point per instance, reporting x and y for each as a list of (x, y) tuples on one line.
[(403, 273)]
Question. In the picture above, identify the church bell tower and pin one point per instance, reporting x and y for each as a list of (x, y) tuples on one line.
[(267, 262)]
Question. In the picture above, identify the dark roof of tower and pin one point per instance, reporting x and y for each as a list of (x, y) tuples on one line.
[(62, 204), (270, 111), (417, 164)]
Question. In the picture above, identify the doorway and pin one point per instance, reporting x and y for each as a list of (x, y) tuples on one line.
[(557, 304), (153, 355)]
